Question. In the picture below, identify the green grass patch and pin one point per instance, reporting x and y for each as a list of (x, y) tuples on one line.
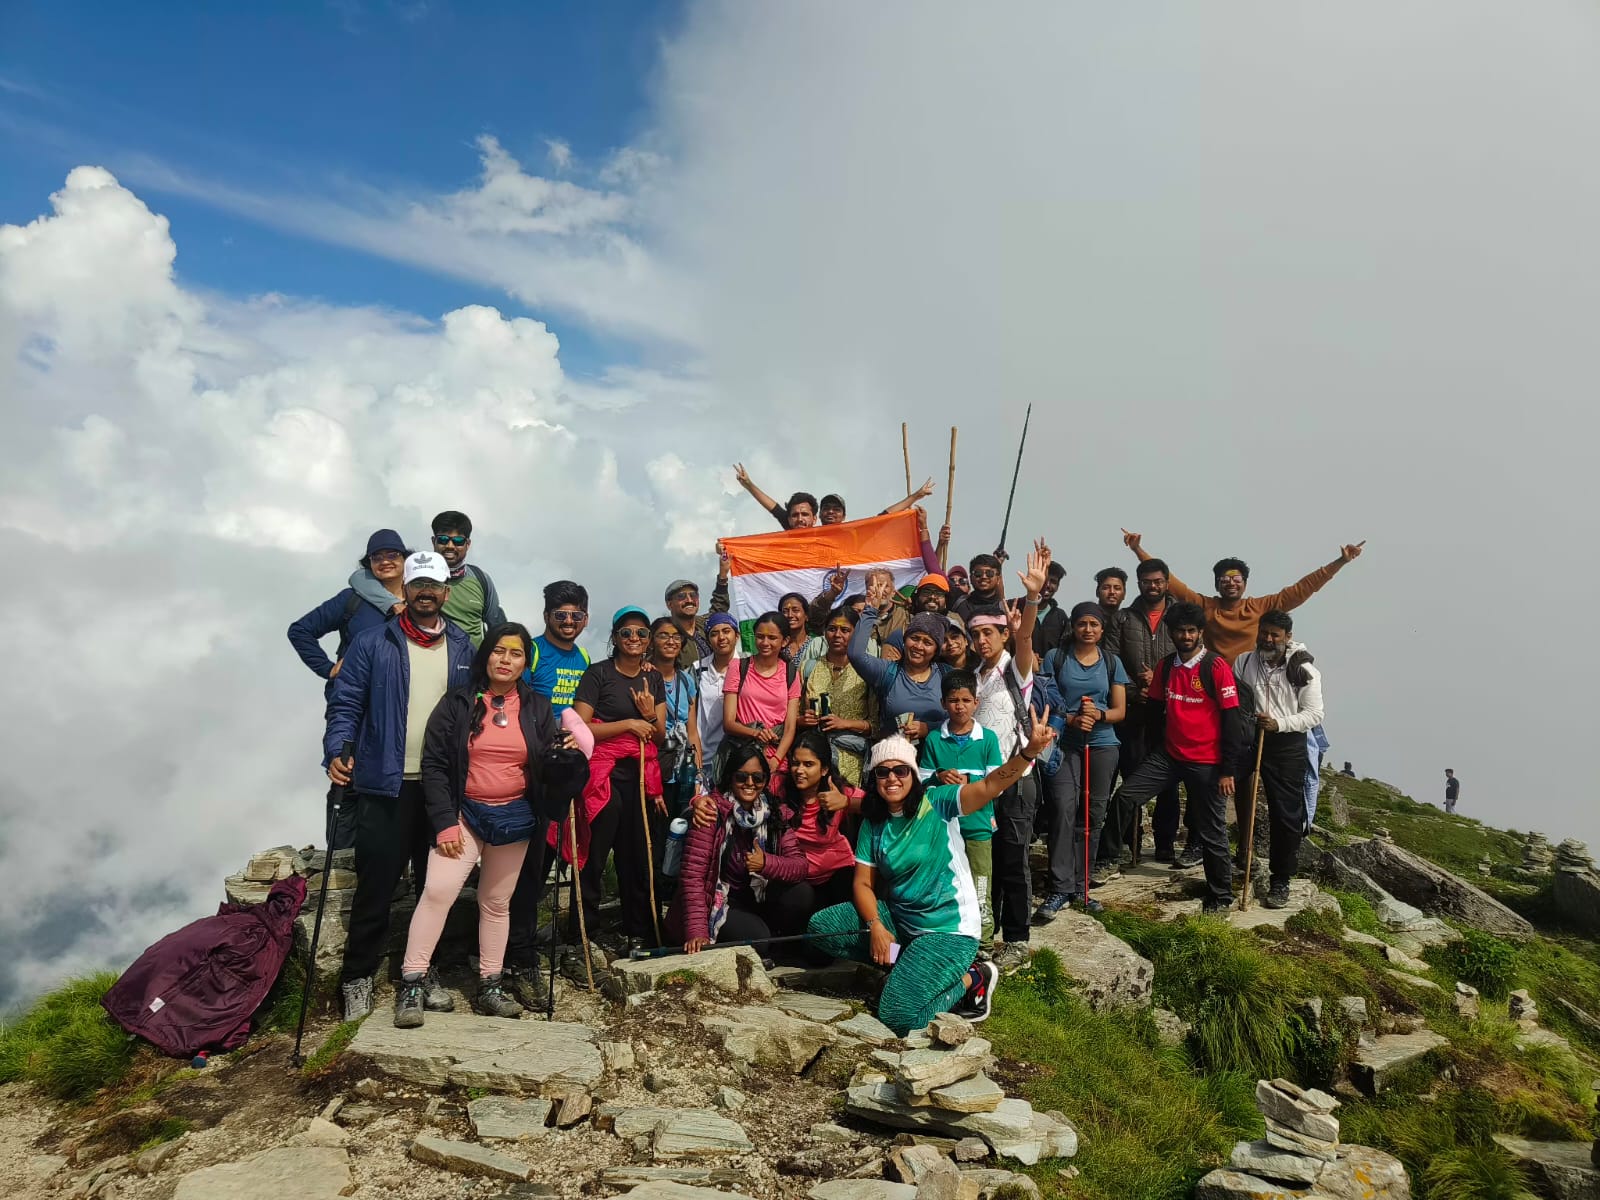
[(338, 1042), (1358, 913), (166, 1130), (1150, 1125), (1451, 840), (1486, 962), (65, 1044), (1559, 974), (1474, 1173)]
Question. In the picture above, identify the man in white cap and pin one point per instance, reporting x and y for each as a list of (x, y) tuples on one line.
[(393, 675)]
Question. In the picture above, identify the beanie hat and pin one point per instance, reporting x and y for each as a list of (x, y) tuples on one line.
[(720, 618), (1089, 608), (930, 624), (893, 749)]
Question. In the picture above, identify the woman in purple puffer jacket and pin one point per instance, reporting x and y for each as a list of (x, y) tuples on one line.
[(735, 860)]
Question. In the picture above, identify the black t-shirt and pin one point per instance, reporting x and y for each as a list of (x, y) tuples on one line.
[(610, 693), (1452, 788)]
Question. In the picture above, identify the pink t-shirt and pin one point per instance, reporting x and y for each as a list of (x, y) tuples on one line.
[(497, 758), (826, 852), (763, 700)]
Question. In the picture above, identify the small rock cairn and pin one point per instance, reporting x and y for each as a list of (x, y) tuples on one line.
[(1573, 855), (1537, 856), (1302, 1151)]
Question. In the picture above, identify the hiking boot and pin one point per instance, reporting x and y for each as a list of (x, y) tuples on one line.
[(408, 1008), (633, 947), (1012, 956), (357, 998), (572, 966), (493, 1000), (1191, 857), (1104, 873), (1165, 855), (1053, 903), (527, 985), (975, 1005), (1214, 908), (435, 996), (1277, 896), (1090, 906)]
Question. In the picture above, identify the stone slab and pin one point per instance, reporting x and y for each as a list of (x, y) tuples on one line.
[(810, 1006), (1431, 888), (468, 1158), (1238, 1185), (769, 1038), (1376, 1060), (666, 1189), (862, 1189), (918, 1072), (305, 1172), (1013, 1129), (869, 1029), (978, 1093), (693, 1132), (633, 1176), (1285, 1138), (1106, 971), (733, 969), (1295, 1113), (1272, 1162), (473, 1051), (508, 1118), (1566, 1168)]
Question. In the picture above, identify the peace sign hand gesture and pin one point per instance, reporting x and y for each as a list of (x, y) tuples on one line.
[(1038, 572)]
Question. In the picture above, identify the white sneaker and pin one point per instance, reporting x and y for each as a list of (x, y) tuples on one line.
[(357, 998)]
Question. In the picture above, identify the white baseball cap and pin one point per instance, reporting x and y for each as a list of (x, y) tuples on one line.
[(423, 565)]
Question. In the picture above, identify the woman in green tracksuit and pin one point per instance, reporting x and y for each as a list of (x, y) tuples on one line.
[(915, 909)]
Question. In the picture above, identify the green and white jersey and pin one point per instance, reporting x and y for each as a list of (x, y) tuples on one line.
[(923, 860)]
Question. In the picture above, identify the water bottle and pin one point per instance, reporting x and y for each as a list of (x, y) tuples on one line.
[(672, 857)]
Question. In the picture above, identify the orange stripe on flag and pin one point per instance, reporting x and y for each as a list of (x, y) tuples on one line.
[(850, 543)]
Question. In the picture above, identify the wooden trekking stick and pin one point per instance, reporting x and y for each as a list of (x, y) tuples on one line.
[(649, 850), (949, 495), (1086, 826), (1250, 842), (577, 889), (905, 453)]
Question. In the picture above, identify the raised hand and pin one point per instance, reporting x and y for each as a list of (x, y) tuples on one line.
[(722, 560), (1351, 553), (1041, 737), (645, 703), (879, 592), (741, 474), (922, 521), (838, 580), (1132, 540), (925, 490), (1038, 572)]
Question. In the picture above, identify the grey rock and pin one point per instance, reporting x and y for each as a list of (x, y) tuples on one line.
[(1376, 1060), (978, 1093), (1572, 855), (1465, 1001), (152, 1158), (1295, 1113), (1565, 1168), (1224, 1184), (971, 1149), (467, 1158), (305, 1172), (317, 1133), (1355, 1008), (508, 1118), (862, 1189), (733, 969), (729, 1098), (1363, 1173), (1415, 981), (693, 1132), (1013, 1129), (810, 1006), (827, 1131), (666, 1189), (947, 1029), (912, 1162), (659, 1081), (352, 1115), (1171, 1029), (633, 1176), (869, 1029), (1577, 898), (981, 1184), (618, 1056), (1404, 961), (1436, 891), (941, 1181), (1285, 1138), (470, 1051), (770, 1038), (330, 1110), (631, 1120), (1271, 1162), (1520, 1006), (1107, 972), (575, 1107), (920, 1071)]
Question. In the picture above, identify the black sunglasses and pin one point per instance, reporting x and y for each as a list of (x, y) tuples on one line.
[(567, 616), (897, 770), (500, 718), (749, 777)]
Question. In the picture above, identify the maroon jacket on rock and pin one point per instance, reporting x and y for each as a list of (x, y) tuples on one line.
[(196, 989), (690, 914)]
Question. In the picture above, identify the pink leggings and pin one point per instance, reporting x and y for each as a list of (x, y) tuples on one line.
[(501, 866)]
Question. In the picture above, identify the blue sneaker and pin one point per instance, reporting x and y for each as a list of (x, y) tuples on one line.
[(1091, 906), (1053, 904)]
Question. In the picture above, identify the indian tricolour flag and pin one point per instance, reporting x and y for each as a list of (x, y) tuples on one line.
[(763, 567)]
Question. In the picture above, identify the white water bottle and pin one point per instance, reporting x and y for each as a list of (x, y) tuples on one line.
[(672, 856)]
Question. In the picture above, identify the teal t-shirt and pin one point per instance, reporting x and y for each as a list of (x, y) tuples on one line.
[(1077, 681), (923, 860), (974, 755)]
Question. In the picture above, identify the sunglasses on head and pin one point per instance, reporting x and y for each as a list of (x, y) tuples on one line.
[(895, 770), (749, 777), (447, 539)]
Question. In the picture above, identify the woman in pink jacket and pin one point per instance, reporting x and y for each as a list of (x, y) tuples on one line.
[(730, 863)]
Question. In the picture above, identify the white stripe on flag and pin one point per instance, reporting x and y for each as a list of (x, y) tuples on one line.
[(752, 595)]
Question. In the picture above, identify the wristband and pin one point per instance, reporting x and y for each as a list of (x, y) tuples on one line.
[(1031, 601)]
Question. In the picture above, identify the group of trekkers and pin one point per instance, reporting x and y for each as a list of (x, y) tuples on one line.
[(854, 776)]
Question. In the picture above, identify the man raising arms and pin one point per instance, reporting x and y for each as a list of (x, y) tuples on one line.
[(803, 511), (1231, 617)]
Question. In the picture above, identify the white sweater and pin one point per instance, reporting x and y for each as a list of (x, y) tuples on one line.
[(1295, 710)]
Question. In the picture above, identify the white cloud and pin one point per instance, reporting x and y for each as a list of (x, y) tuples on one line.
[(559, 153)]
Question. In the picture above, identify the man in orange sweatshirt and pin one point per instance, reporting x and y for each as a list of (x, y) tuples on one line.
[(1232, 617)]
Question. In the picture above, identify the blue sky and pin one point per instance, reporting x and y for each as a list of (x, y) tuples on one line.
[(303, 97)]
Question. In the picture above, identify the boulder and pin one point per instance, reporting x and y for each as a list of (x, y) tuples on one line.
[(733, 969), (1363, 1173), (1433, 889), (468, 1158), (1577, 898), (508, 1118), (911, 1163), (1108, 972), (1273, 1162), (1404, 961), (305, 1172), (1355, 1009), (941, 1181), (469, 1051), (769, 1038), (1565, 1168), (1376, 1061), (1171, 1029)]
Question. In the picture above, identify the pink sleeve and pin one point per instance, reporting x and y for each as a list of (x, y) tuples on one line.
[(730, 681), (581, 733), (794, 686), (453, 834)]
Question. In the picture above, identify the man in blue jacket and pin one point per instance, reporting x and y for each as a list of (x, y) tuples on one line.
[(391, 678)]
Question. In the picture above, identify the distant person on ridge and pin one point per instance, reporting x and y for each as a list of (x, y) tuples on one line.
[(1452, 790), (1288, 695), (1348, 771), (393, 676), (1231, 617)]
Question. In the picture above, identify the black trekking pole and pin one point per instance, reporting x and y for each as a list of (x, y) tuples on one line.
[(555, 930), (669, 951), (309, 985), (1005, 528)]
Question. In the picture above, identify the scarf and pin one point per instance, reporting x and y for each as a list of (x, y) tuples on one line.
[(753, 821), (420, 636), (458, 572)]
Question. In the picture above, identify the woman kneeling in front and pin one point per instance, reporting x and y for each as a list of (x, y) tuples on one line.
[(915, 909), (480, 765)]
